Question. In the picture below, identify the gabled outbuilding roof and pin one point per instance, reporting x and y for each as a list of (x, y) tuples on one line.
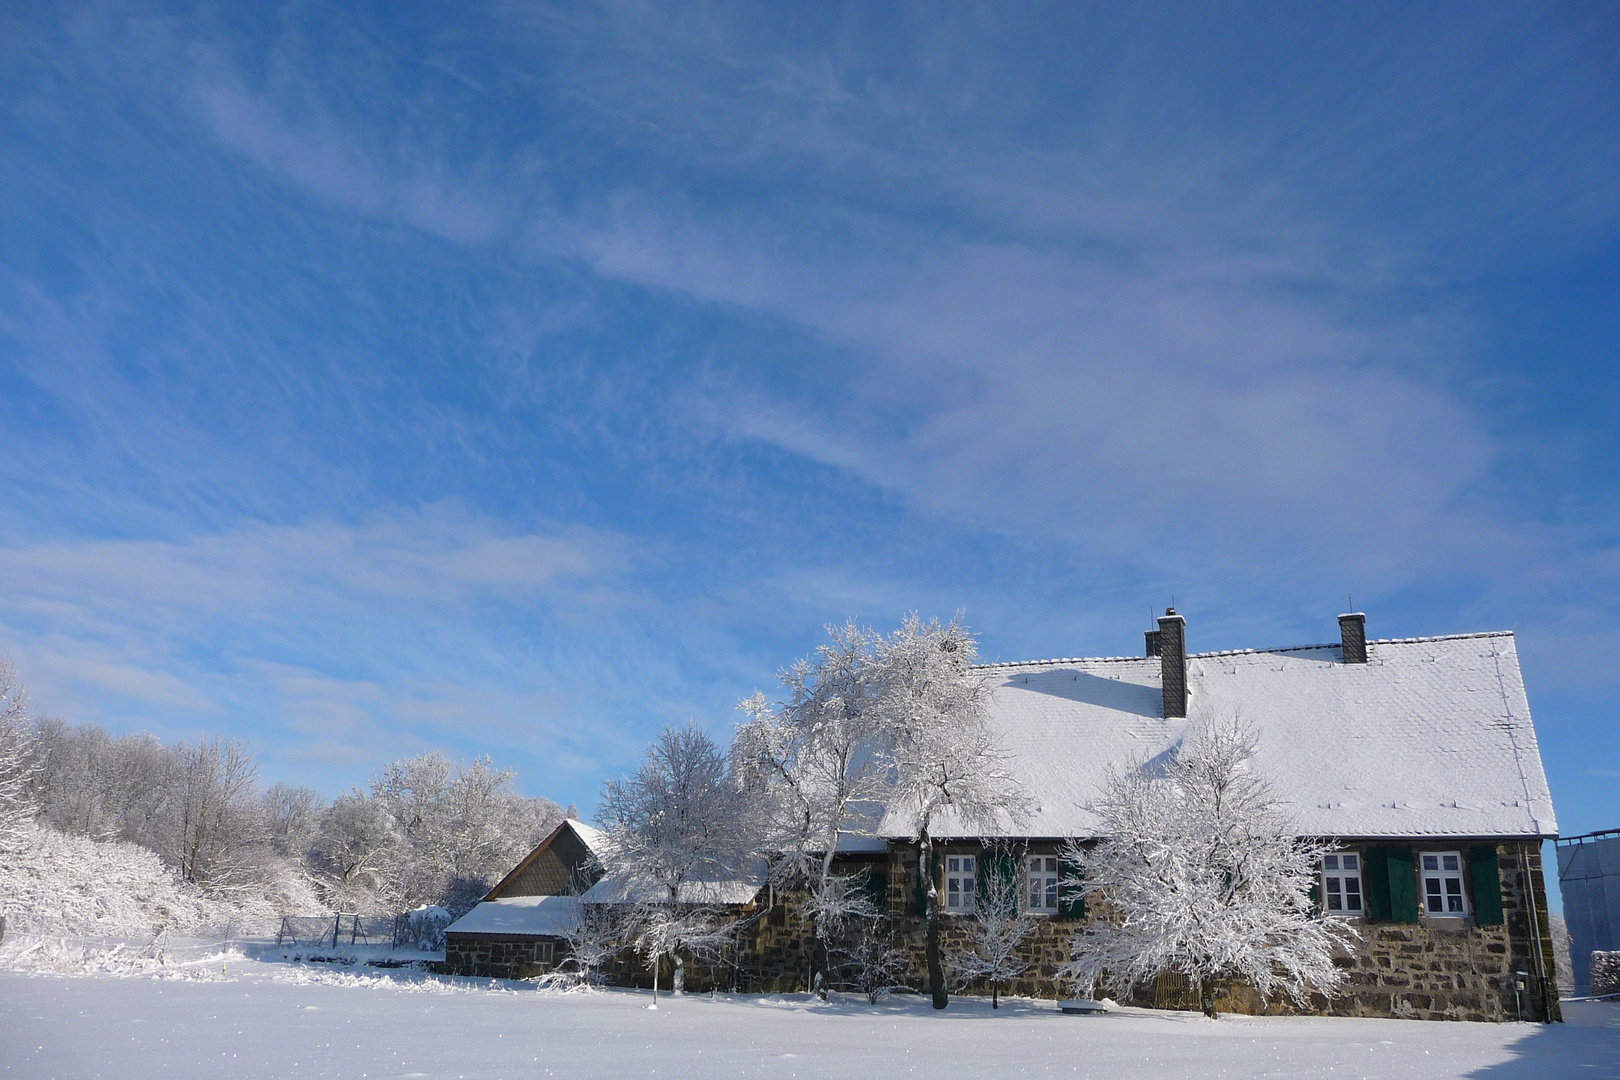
[(1431, 737), (548, 869)]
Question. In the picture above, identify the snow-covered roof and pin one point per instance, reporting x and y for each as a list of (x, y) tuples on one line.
[(538, 916), (850, 844), (1430, 737), (593, 838), (732, 891)]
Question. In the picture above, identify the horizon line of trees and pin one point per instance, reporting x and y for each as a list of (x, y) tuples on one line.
[(425, 831)]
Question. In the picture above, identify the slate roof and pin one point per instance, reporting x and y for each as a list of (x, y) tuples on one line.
[(1430, 738)]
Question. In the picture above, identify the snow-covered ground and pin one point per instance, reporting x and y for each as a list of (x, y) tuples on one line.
[(223, 1015)]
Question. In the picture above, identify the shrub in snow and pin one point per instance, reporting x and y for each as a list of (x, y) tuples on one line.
[(1605, 973), (865, 959), (60, 956), (1200, 873), (427, 925)]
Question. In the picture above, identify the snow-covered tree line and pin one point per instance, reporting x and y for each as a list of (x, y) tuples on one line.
[(424, 831)]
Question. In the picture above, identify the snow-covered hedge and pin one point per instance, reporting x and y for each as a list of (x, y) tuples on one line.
[(1606, 973), (53, 883)]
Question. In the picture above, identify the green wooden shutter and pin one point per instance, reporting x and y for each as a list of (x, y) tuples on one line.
[(1391, 885), (1487, 881), (998, 866), (875, 884), (1377, 880), (1071, 901), (1403, 899)]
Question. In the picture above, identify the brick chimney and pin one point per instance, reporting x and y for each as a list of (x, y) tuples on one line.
[(1152, 637), (1172, 636), (1353, 637)]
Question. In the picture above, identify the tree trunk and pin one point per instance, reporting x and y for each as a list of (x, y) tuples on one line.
[(657, 962), (936, 967), (1206, 995), (995, 1000), (677, 981)]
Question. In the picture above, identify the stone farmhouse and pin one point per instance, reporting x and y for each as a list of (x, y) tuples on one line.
[(1416, 758)]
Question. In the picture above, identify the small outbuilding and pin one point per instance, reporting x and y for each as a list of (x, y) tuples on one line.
[(518, 930)]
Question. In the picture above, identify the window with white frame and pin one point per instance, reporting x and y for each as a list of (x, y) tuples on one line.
[(961, 874), (1443, 884), (1041, 874), (1341, 883)]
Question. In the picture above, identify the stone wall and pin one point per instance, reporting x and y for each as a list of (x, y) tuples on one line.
[(1435, 969), (498, 957)]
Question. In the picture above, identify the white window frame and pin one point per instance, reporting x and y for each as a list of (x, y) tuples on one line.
[(961, 883), (1337, 882), (1453, 900), (1043, 884)]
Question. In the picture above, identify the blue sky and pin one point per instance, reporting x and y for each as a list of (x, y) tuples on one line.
[(375, 378)]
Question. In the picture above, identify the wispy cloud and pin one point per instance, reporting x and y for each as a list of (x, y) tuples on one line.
[(336, 643), (767, 320)]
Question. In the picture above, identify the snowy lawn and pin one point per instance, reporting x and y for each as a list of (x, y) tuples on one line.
[(259, 1019)]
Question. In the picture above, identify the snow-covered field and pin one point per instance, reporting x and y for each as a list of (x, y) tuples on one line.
[(222, 1015)]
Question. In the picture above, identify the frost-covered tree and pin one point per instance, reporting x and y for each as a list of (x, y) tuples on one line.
[(999, 927), (292, 817), (594, 935), (867, 960), (460, 827), (90, 784), (355, 855), (1199, 872), (944, 753), (214, 828), (17, 758), (676, 829), (820, 765)]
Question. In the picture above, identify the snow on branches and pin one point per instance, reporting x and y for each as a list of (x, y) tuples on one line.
[(679, 832), (945, 753), (17, 759), (1000, 925), (874, 725), (1200, 873), (819, 766)]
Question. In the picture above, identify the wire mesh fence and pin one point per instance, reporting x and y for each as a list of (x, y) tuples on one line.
[(346, 928)]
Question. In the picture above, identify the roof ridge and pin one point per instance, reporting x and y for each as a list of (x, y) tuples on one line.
[(1243, 652), (1061, 660)]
